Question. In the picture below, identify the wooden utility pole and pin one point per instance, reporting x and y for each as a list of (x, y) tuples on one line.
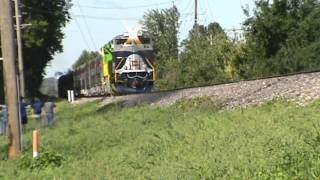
[(196, 16), (20, 53), (11, 91), (195, 12)]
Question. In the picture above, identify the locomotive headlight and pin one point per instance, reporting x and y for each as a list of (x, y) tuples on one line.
[(133, 36)]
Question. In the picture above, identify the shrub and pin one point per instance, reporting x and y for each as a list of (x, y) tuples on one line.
[(45, 160)]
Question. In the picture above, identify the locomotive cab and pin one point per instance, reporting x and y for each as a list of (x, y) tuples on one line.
[(132, 66)]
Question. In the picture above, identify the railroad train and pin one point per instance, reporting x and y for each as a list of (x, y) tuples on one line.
[(125, 65)]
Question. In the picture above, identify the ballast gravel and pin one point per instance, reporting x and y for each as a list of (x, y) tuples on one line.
[(302, 89)]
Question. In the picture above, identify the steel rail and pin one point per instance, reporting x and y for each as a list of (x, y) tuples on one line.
[(213, 84)]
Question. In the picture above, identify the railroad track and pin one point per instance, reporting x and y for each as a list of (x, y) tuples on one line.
[(214, 84), (238, 81), (302, 88)]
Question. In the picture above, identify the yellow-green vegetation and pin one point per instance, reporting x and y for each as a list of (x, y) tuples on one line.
[(192, 139)]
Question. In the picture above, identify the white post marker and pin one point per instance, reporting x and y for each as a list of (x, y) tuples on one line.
[(72, 96), (35, 144), (69, 96)]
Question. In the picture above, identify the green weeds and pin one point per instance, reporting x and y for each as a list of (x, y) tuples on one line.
[(45, 160), (191, 139)]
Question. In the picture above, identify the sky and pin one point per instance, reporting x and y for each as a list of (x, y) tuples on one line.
[(95, 22)]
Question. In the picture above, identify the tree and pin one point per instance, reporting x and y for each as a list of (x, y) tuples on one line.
[(43, 39), (85, 57), (278, 33), (163, 25), (208, 56)]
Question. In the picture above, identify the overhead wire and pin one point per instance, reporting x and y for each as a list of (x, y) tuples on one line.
[(204, 13), (87, 27), (106, 17), (87, 16), (123, 8), (32, 9), (187, 18), (82, 15), (210, 10), (183, 26), (81, 32)]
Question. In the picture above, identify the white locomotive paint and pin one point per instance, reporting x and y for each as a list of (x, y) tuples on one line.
[(134, 63)]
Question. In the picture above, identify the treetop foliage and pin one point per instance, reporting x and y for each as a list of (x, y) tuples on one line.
[(85, 57), (279, 32), (163, 28), (281, 36), (43, 39)]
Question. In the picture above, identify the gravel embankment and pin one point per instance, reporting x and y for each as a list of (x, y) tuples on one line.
[(302, 89)]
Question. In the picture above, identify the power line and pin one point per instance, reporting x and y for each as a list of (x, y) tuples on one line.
[(87, 27), (210, 12), (86, 16), (202, 13), (116, 18), (106, 18), (122, 8), (188, 19), (81, 32)]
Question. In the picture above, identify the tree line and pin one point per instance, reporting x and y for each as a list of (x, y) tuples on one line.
[(280, 37)]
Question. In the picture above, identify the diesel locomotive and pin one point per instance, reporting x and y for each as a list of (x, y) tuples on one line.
[(125, 65)]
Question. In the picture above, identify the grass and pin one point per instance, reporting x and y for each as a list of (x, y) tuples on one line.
[(192, 139)]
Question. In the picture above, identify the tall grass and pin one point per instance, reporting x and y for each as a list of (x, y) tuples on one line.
[(192, 139)]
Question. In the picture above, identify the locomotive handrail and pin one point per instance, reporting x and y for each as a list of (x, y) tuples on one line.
[(153, 68)]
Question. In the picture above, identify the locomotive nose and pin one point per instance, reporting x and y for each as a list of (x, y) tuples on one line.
[(136, 83), (135, 62)]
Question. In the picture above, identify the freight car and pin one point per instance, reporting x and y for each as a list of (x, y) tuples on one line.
[(126, 65)]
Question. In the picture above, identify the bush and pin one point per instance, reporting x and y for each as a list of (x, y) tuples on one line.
[(45, 160)]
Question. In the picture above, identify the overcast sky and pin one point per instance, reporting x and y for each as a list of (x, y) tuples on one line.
[(95, 22)]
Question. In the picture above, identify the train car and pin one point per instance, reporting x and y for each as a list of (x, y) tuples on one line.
[(87, 78), (126, 65)]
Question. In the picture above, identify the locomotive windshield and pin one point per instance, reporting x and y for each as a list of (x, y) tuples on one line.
[(144, 40), (120, 41)]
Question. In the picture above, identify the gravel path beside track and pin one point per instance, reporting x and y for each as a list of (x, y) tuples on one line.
[(302, 89)]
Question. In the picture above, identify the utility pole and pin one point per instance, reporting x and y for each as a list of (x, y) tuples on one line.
[(196, 16), (195, 12), (11, 88), (20, 53)]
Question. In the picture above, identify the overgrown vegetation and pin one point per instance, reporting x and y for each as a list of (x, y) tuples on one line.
[(280, 37), (192, 139), (46, 160)]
